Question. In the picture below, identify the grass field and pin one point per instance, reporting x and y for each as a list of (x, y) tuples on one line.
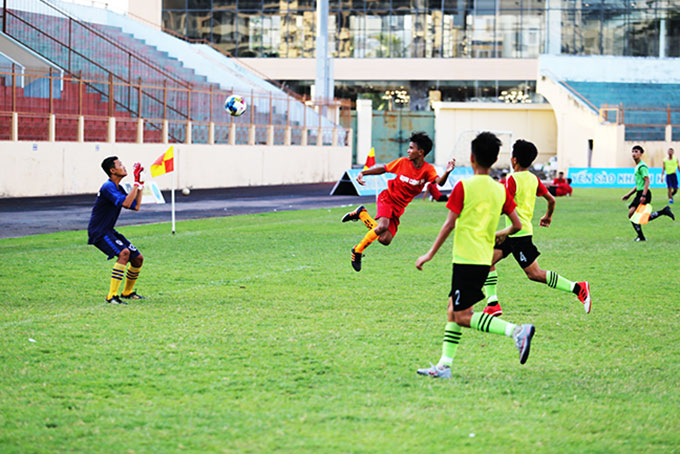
[(257, 336)]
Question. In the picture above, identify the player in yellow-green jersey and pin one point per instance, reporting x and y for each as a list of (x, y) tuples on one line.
[(475, 207), (525, 187), (670, 168), (643, 195)]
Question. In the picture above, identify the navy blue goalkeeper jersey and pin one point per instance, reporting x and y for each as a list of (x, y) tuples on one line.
[(106, 210)]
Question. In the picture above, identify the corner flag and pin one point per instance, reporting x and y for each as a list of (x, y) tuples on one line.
[(164, 164), (370, 159)]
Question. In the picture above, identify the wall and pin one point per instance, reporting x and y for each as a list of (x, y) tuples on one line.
[(148, 11), (655, 152), (59, 168), (612, 69), (456, 124), (427, 69), (576, 124)]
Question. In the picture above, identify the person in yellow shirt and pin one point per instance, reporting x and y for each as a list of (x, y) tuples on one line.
[(475, 206), (525, 187), (670, 168)]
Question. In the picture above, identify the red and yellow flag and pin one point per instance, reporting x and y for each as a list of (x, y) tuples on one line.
[(164, 164), (641, 215), (370, 159)]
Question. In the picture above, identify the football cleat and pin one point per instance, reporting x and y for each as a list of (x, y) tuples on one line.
[(115, 300), (356, 260), (522, 337), (640, 238), (353, 215), (667, 211), (493, 309), (436, 371), (133, 296), (584, 295)]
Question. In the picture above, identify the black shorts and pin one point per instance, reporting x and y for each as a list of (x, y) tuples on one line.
[(636, 200), (522, 249), (112, 243), (466, 285)]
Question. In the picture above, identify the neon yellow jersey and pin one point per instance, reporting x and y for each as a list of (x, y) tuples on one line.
[(479, 202), (670, 165), (524, 187)]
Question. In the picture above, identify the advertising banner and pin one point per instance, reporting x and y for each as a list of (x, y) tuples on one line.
[(593, 177)]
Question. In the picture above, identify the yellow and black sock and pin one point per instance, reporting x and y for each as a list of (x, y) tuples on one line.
[(116, 278), (367, 219), (370, 237), (130, 279)]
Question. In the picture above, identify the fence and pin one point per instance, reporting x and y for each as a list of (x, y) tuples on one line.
[(644, 123), (53, 107)]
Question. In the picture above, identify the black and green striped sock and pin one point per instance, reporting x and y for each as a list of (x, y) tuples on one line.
[(452, 335), (489, 288), (554, 280), (487, 323)]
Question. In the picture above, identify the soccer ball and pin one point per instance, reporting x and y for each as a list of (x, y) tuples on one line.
[(235, 105)]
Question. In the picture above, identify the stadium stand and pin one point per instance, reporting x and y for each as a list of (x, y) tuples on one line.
[(146, 82), (644, 108)]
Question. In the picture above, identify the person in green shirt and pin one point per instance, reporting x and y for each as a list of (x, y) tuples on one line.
[(670, 168), (475, 207), (642, 193)]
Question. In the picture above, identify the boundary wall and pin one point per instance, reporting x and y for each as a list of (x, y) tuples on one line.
[(35, 169)]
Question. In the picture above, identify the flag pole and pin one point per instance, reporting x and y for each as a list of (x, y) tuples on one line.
[(172, 194)]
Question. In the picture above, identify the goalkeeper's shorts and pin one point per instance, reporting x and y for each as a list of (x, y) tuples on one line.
[(112, 244)]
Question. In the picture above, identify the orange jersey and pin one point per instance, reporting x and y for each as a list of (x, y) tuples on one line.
[(409, 181)]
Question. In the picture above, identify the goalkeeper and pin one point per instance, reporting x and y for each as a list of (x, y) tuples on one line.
[(110, 199)]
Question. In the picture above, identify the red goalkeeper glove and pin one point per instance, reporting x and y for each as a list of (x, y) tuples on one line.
[(139, 174)]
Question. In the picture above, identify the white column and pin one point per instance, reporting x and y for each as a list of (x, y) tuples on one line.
[(187, 138), (662, 36), (289, 135), (270, 135), (211, 133), (164, 132), (232, 134), (51, 128), (140, 130), (364, 129), (553, 22), (111, 132), (81, 129), (251, 135), (14, 134)]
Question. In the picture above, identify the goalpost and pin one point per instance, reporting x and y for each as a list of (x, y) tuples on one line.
[(462, 147)]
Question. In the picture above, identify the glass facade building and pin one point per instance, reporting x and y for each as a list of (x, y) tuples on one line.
[(433, 28)]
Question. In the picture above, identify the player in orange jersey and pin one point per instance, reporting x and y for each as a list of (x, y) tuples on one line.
[(412, 174)]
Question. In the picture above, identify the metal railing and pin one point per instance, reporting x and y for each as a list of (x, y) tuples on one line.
[(641, 122), (82, 113)]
